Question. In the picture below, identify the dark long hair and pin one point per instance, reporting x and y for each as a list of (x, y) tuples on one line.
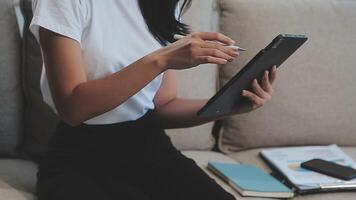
[(161, 19)]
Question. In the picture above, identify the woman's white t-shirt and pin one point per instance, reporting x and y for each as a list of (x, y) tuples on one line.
[(112, 35)]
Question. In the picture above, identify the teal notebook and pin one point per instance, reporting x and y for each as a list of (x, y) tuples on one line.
[(250, 180)]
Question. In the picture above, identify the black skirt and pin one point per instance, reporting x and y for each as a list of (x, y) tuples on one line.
[(128, 160)]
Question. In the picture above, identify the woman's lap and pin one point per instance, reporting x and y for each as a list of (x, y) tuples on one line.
[(180, 178), (74, 186), (129, 160), (176, 179)]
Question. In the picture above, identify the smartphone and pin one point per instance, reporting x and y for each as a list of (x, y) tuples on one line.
[(330, 169)]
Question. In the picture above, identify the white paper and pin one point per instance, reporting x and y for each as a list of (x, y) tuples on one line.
[(288, 161)]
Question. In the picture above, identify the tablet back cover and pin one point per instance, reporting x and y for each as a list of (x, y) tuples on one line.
[(278, 51)]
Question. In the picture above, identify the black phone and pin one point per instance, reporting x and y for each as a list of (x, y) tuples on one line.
[(330, 169), (278, 51)]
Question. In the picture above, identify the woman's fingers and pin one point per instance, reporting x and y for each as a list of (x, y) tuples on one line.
[(214, 53), (214, 45), (213, 36), (261, 94), (273, 74), (266, 84), (198, 48), (257, 89), (209, 48), (253, 98), (216, 50), (211, 59)]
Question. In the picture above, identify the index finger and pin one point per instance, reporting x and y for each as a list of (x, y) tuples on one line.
[(214, 36), (273, 74)]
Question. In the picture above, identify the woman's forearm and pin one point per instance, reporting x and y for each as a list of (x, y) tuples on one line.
[(78, 100), (182, 113), (96, 97)]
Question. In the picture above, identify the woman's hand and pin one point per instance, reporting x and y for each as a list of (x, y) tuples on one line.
[(198, 48), (261, 93)]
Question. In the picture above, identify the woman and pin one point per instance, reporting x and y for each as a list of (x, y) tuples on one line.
[(109, 74)]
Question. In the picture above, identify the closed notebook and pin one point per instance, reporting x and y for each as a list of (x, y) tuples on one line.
[(250, 180)]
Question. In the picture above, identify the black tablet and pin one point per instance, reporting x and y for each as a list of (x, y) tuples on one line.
[(225, 100)]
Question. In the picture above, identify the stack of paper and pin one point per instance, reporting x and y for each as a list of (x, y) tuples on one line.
[(288, 160)]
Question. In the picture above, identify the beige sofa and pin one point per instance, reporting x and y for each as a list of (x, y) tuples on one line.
[(314, 101)]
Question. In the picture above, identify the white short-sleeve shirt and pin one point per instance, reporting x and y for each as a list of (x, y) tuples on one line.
[(112, 35)]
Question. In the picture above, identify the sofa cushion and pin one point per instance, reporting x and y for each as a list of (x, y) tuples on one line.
[(39, 119), (9, 193), (314, 100), (198, 82), (252, 157), (20, 174), (11, 98)]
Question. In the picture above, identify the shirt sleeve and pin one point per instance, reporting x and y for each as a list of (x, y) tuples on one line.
[(64, 17)]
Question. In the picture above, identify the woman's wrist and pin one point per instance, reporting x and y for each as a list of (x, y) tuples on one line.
[(158, 60)]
